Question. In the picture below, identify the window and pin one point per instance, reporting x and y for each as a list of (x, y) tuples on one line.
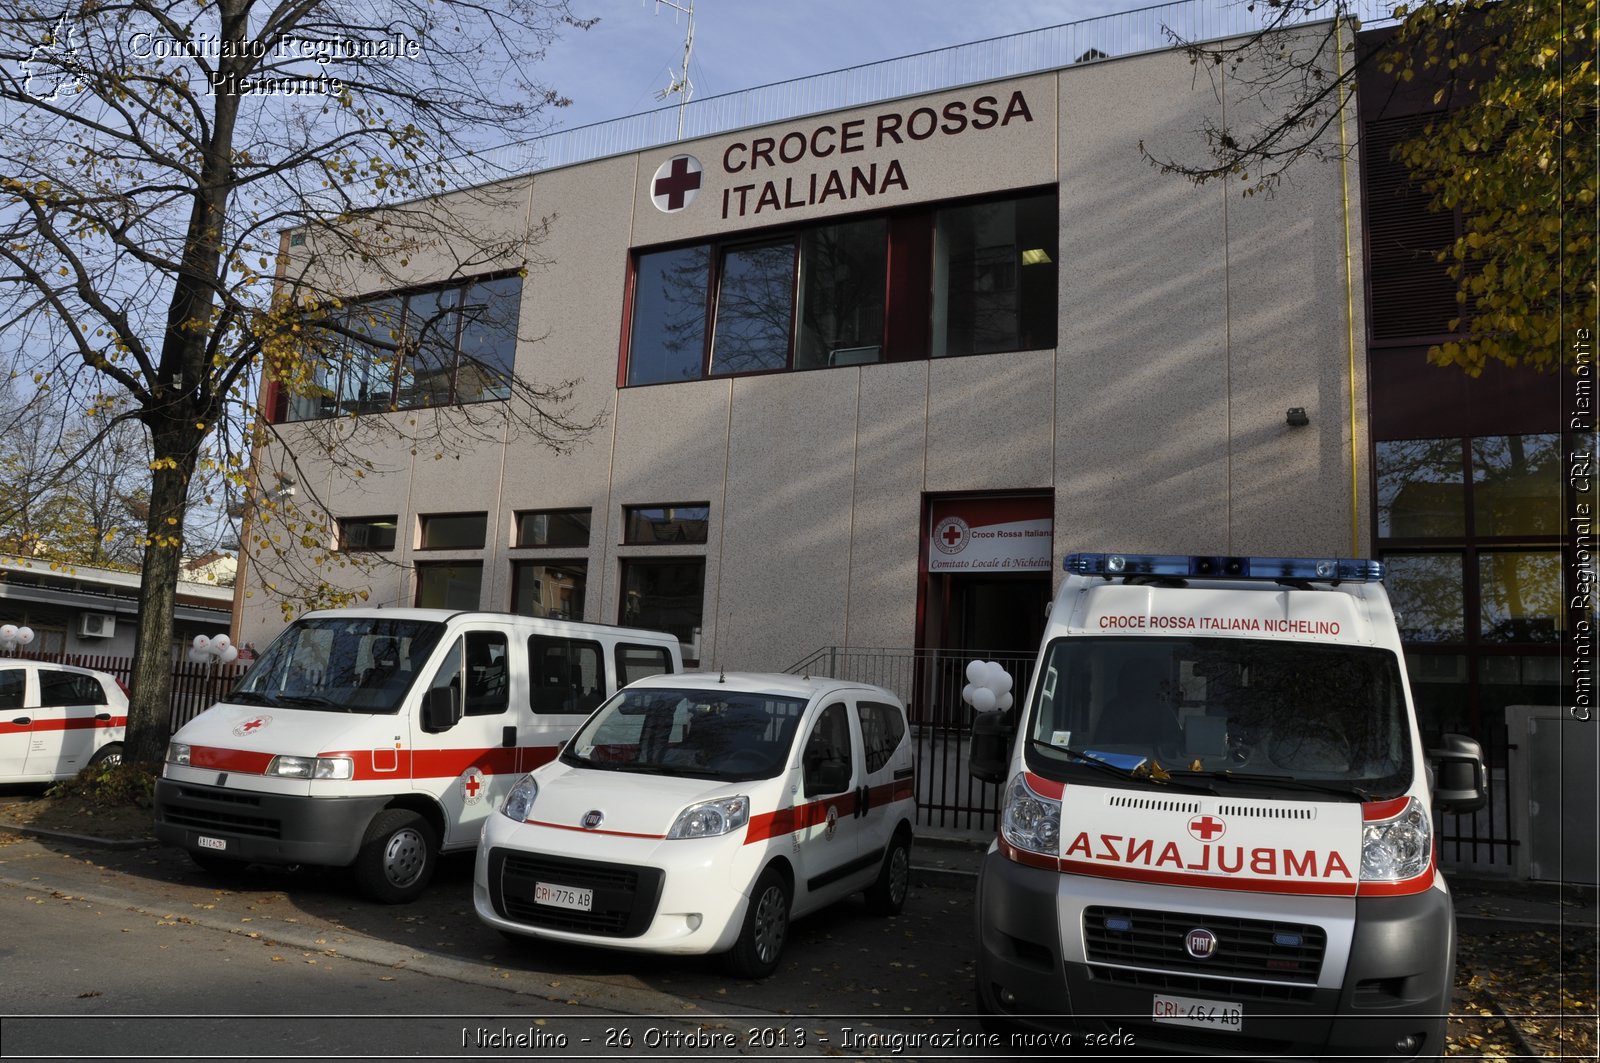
[(882, 728), (684, 522), (827, 756), (454, 531), (454, 343), (665, 594), (449, 584), (13, 687), (376, 534), (69, 688), (640, 662), (973, 278), (565, 675), (482, 655), (553, 527), (549, 588)]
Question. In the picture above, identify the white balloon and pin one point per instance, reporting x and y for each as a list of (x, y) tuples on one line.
[(966, 693), (202, 643), (228, 655), (1002, 682), (196, 654), (221, 642), (1004, 702), (991, 675), (8, 632), (983, 699), (975, 673), (24, 635)]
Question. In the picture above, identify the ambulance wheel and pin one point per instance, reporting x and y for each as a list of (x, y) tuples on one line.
[(397, 856), (888, 895), (766, 926), (107, 756)]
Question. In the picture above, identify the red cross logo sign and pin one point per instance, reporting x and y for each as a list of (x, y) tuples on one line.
[(1207, 828), (676, 183), (251, 726), (472, 785), (950, 537), (833, 822)]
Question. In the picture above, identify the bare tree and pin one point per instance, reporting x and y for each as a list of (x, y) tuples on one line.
[(152, 154)]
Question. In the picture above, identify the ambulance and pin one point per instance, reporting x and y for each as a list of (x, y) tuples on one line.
[(57, 719), (699, 813), (379, 738), (1217, 817)]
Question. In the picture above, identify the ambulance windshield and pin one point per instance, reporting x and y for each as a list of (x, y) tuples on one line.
[(702, 733), (1230, 713), (340, 664)]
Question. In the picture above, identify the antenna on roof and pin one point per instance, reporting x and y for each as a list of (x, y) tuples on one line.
[(678, 84)]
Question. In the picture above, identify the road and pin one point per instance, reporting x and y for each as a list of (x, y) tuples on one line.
[(296, 963)]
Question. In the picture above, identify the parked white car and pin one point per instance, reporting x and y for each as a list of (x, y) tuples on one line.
[(701, 812), (56, 719)]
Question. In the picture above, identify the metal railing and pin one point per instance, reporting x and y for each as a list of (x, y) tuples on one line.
[(1146, 29)]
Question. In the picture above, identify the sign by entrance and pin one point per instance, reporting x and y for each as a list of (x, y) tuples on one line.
[(990, 535)]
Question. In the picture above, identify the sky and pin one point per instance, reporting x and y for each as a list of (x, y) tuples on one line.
[(616, 68)]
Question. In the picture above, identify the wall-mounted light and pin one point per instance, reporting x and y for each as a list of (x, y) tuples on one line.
[(1297, 417)]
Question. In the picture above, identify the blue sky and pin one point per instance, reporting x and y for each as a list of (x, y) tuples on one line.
[(617, 67)]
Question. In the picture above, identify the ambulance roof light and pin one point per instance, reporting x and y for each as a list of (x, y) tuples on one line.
[(1181, 566)]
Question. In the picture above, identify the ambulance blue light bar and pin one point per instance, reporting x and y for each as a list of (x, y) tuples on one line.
[(1183, 566)]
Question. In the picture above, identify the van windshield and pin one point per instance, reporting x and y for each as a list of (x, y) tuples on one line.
[(1238, 715), (340, 664), (700, 733)]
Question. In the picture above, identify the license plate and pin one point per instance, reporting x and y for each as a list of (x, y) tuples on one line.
[(1190, 1011), (211, 843), (563, 897)]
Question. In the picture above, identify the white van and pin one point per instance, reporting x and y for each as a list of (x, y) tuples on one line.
[(378, 738), (1217, 817), (56, 720), (699, 813)]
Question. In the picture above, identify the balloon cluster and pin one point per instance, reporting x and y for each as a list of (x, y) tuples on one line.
[(219, 648), (12, 636), (988, 686)]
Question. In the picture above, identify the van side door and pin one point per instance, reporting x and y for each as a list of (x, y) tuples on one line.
[(470, 766), (567, 680), (825, 843), (16, 721), (70, 708), (887, 775)]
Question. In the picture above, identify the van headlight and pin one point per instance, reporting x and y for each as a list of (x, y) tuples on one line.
[(1398, 848), (286, 767), (519, 802), (711, 818), (1029, 821), (178, 753)]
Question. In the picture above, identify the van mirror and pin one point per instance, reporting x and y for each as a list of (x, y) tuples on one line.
[(441, 709), (1460, 780), (990, 755)]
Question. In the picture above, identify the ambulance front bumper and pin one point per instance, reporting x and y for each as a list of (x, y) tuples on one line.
[(639, 894), (1392, 961), (262, 828)]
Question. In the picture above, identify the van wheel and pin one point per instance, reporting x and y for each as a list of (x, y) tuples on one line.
[(107, 756), (397, 856), (766, 926), (888, 895)]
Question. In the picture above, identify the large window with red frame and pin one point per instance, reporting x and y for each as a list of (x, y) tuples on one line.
[(967, 278)]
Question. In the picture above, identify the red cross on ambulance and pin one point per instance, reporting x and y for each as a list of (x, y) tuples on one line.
[(472, 785), (1207, 828)]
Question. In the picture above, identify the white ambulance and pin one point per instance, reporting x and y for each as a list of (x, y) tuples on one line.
[(1217, 817), (378, 738), (56, 720), (700, 813)]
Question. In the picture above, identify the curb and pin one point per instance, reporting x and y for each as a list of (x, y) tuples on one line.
[(143, 842)]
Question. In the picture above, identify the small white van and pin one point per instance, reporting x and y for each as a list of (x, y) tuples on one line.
[(378, 738), (1216, 823), (56, 720), (700, 813)]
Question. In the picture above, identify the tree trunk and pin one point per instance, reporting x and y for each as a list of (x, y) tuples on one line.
[(150, 712)]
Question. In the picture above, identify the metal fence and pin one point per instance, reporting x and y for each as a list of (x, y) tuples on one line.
[(194, 686)]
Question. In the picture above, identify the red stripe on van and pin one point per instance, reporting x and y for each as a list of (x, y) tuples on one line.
[(371, 764), (245, 760), (1372, 810), (587, 830), (75, 723), (788, 820)]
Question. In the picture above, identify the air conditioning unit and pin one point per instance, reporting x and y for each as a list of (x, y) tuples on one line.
[(96, 625)]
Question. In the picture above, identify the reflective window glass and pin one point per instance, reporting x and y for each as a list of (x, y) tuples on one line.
[(686, 523), (994, 277), (1426, 591), (1421, 491), (665, 595), (549, 588), (489, 339), (1516, 485), (449, 584), (755, 309), (553, 527), (368, 533), (454, 531), (1520, 596), (668, 336), (843, 269)]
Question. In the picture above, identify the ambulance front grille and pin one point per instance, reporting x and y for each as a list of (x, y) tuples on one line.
[(624, 896), (188, 811), (1252, 953)]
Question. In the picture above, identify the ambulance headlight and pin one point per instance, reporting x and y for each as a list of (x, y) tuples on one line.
[(287, 767), (1398, 848), (519, 802), (178, 753), (711, 818), (1029, 821)]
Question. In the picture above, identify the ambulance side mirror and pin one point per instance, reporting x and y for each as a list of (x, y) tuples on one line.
[(990, 754), (441, 709), (1460, 779)]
